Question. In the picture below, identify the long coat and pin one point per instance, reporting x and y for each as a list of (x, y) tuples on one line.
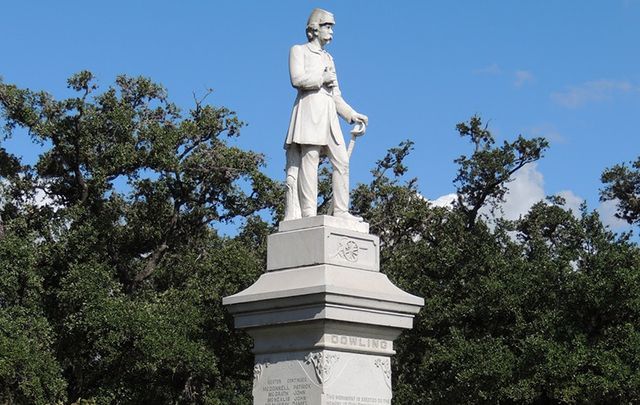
[(314, 119)]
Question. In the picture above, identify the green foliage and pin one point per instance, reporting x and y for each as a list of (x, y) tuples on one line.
[(622, 184), (113, 294), (543, 310), (29, 371), (483, 176)]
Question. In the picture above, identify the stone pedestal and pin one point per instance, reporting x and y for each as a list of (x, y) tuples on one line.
[(323, 318)]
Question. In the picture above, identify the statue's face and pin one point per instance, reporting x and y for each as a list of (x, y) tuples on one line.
[(325, 33)]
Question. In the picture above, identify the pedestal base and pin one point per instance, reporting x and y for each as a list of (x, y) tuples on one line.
[(324, 377), (323, 318)]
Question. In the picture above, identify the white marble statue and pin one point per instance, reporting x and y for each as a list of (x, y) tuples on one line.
[(314, 127)]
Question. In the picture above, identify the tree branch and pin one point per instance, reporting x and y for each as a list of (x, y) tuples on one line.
[(152, 264), (159, 252)]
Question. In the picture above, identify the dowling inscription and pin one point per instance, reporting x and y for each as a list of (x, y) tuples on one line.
[(359, 342)]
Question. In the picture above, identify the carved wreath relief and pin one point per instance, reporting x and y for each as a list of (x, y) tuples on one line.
[(257, 371), (348, 250), (385, 366), (322, 363)]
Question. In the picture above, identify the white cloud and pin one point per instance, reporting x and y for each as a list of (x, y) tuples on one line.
[(607, 210), (39, 199), (548, 131), (522, 77), (526, 189), (592, 91), (572, 201), (492, 69), (446, 200)]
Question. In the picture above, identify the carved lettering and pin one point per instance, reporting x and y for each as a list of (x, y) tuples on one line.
[(358, 342), (277, 392), (338, 399), (292, 391), (299, 387)]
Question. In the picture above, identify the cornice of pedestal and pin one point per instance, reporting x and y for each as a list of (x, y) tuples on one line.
[(323, 292)]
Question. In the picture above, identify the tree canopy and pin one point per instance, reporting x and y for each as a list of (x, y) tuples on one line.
[(622, 185), (109, 246), (540, 310)]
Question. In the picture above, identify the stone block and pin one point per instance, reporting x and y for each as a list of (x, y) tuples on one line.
[(323, 220), (322, 245)]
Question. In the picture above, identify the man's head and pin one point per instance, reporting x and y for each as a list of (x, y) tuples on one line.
[(320, 25)]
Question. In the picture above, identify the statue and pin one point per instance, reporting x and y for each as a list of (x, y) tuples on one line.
[(314, 126)]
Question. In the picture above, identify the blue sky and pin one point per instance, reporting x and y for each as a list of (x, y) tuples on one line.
[(565, 70)]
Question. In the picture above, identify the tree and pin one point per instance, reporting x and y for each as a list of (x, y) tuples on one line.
[(29, 370), (483, 176), (542, 310), (119, 211), (622, 184)]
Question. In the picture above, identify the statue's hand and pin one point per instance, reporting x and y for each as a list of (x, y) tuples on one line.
[(329, 78), (357, 117)]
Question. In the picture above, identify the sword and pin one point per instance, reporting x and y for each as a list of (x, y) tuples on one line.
[(358, 130)]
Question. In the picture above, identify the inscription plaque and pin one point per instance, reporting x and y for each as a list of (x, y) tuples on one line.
[(323, 377), (285, 379), (289, 391), (337, 399)]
